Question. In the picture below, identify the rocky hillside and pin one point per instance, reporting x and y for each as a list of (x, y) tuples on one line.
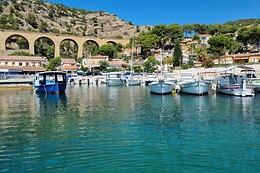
[(40, 16)]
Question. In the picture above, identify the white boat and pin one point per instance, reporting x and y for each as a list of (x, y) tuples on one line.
[(149, 79), (170, 77), (233, 84), (193, 86), (251, 78), (161, 87), (198, 87), (132, 79), (114, 79)]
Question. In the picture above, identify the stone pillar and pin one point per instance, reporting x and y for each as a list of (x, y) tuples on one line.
[(57, 49), (80, 51), (31, 46), (2, 40)]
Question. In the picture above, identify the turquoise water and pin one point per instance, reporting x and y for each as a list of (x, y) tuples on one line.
[(127, 129)]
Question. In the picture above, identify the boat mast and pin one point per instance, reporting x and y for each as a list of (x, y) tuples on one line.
[(132, 55), (161, 62)]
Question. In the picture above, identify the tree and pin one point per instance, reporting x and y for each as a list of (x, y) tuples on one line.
[(218, 43), (69, 49), (54, 64), (149, 64), (23, 43), (146, 41), (90, 47), (188, 29), (177, 54), (168, 33), (119, 47), (103, 65), (168, 60), (44, 47), (21, 53), (201, 54), (249, 36), (108, 50)]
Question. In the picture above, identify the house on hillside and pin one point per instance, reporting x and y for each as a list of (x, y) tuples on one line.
[(93, 61), (68, 64), (204, 38), (238, 58), (117, 64), (24, 64)]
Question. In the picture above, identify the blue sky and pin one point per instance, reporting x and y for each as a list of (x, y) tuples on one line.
[(153, 12)]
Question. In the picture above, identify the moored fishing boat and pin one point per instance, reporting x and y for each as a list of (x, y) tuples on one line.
[(252, 78), (114, 79), (52, 82), (149, 79), (192, 86), (161, 87), (198, 87), (233, 84), (132, 79)]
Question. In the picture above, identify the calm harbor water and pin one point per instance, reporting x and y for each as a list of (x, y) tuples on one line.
[(127, 129)]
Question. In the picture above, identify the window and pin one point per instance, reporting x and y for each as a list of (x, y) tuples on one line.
[(13, 63), (27, 64), (20, 64), (6, 63)]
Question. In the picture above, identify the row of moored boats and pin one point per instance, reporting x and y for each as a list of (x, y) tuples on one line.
[(224, 81)]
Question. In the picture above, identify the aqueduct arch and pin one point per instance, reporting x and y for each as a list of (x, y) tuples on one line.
[(26, 43), (43, 41), (31, 37)]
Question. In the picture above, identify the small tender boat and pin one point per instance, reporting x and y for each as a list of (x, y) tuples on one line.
[(161, 87), (233, 84), (114, 79), (52, 82)]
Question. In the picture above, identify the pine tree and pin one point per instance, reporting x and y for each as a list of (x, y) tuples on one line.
[(177, 54)]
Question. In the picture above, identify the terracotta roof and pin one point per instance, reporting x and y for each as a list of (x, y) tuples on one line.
[(69, 68), (98, 57), (116, 63), (242, 55), (68, 61), (23, 58), (130, 50)]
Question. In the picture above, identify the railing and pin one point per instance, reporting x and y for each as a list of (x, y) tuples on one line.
[(16, 76)]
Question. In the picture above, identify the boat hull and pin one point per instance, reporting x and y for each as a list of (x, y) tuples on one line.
[(196, 87), (54, 88), (114, 82), (161, 87), (133, 82), (236, 90)]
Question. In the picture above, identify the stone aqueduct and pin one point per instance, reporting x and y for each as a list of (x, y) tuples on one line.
[(31, 37)]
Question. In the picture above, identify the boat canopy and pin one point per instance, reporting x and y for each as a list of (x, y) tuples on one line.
[(233, 67)]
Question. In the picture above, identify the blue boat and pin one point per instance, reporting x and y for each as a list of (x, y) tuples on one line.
[(50, 82)]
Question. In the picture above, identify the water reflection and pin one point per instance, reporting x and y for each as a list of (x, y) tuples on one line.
[(127, 129), (50, 104)]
